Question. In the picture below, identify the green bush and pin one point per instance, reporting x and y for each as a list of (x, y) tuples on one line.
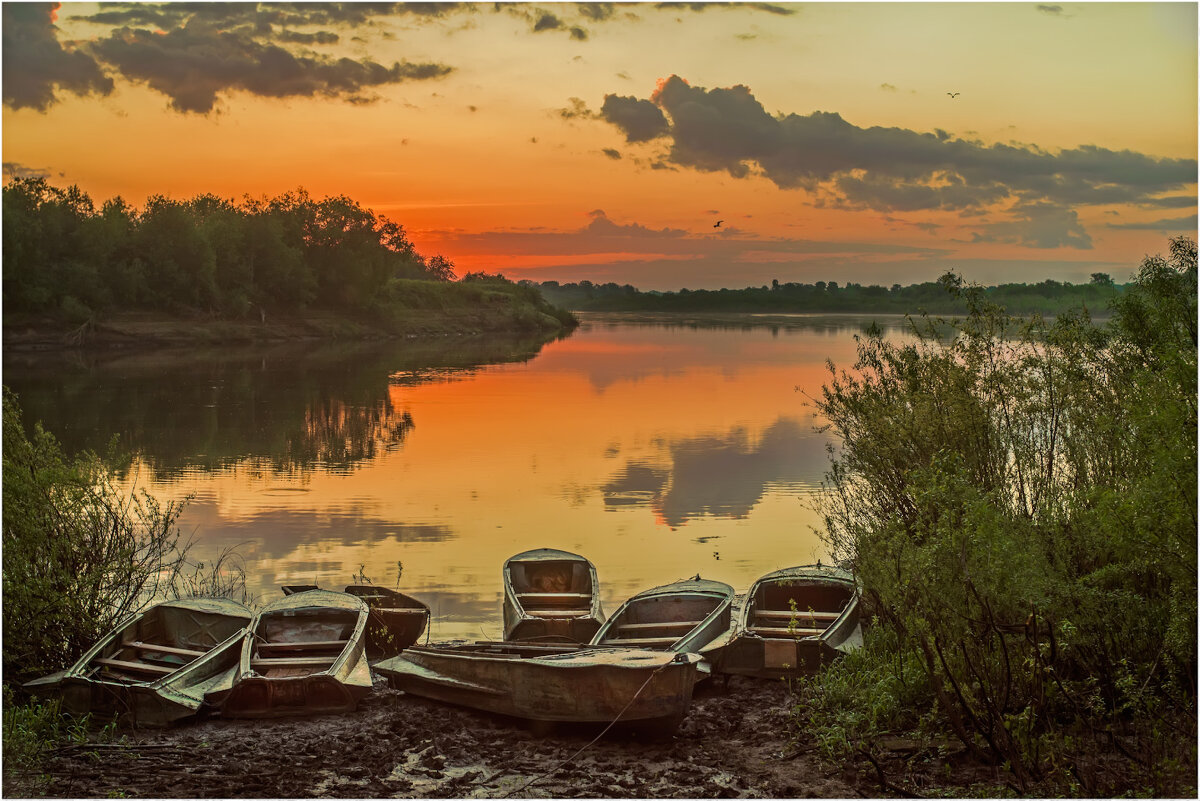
[(1019, 501), (80, 552)]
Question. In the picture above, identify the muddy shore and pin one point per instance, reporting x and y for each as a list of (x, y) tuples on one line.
[(736, 742)]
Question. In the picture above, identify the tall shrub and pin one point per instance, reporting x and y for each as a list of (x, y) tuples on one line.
[(79, 551), (1019, 500)]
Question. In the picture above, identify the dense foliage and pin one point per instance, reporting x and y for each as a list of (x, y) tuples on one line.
[(1019, 502), (80, 552), (1047, 297), (62, 255)]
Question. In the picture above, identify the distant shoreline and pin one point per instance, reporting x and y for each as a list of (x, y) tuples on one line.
[(130, 330)]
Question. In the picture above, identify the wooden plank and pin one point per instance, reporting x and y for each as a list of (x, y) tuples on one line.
[(136, 667), (312, 645), (292, 661), (641, 641), (685, 625), (554, 596), (557, 612), (167, 649), (772, 631), (780, 614)]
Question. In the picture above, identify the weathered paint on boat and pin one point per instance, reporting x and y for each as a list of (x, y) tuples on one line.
[(303, 654), (694, 616), (551, 683), (156, 666), (396, 620), (551, 595), (793, 621)]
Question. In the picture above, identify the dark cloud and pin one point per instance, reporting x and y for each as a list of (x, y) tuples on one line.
[(1172, 202), (547, 22), (612, 154), (577, 109), (1187, 223), (1049, 9), (36, 66), (14, 169), (597, 12), (891, 169), (640, 120), (196, 63)]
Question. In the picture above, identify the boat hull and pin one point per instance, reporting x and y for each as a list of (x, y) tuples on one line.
[(551, 595), (692, 616), (587, 685), (794, 622), (304, 654), (395, 622), (155, 668)]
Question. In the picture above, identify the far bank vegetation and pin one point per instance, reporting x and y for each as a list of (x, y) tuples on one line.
[(67, 260)]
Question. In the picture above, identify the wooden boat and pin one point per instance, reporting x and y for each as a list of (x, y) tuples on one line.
[(396, 620), (551, 682), (155, 667), (551, 594), (795, 620), (303, 654), (693, 615)]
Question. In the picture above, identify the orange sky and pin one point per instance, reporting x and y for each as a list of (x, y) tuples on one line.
[(600, 141)]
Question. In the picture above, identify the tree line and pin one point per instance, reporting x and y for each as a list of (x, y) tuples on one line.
[(1048, 297), (64, 256)]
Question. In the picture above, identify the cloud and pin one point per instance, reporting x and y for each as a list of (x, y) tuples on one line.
[(1039, 225), (1187, 223), (611, 153), (1049, 9), (640, 120), (36, 67), (14, 169), (196, 63), (889, 169)]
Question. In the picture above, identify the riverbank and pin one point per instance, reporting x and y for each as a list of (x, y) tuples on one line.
[(736, 742), (150, 329)]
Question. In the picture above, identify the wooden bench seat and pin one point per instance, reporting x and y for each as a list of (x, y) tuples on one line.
[(292, 661), (167, 649), (558, 612), (775, 631), (312, 645), (641, 640), (554, 596), (678, 625), (136, 667), (784, 614)]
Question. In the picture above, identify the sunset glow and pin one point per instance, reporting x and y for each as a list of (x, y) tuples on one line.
[(603, 141)]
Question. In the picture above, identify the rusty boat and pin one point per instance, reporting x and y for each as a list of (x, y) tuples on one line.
[(551, 595), (795, 620), (551, 683), (303, 654), (690, 616), (396, 620), (156, 667)]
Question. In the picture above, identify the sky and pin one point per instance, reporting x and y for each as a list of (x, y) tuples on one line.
[(667, 146)]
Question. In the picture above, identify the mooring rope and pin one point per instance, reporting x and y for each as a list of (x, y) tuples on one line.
[(595, 739)]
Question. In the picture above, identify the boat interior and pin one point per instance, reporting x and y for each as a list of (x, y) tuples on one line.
[(789, 608), (160, 642), (660, 621), (300, 642), (552, 588)]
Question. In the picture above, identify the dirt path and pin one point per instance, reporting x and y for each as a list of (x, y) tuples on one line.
[(734, 743)]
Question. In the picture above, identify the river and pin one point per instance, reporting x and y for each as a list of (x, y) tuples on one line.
[(658, 446)]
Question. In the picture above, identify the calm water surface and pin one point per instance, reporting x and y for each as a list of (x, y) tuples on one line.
[(658, 447)]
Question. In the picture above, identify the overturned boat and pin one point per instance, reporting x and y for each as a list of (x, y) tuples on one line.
[(795, 620), (551, 595), (155, 667), (551, 682), (694, 615), (396, 620), (303, 654)]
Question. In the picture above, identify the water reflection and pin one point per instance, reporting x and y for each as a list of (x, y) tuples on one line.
[(657, 449), (298, 406)]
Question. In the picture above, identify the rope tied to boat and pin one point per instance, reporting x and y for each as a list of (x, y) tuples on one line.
[(595, 739)]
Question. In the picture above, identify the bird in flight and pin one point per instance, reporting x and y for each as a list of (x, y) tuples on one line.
[(953, 94), (718, 224)]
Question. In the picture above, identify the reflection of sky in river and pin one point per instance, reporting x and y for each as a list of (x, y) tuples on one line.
[(657, 452)]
